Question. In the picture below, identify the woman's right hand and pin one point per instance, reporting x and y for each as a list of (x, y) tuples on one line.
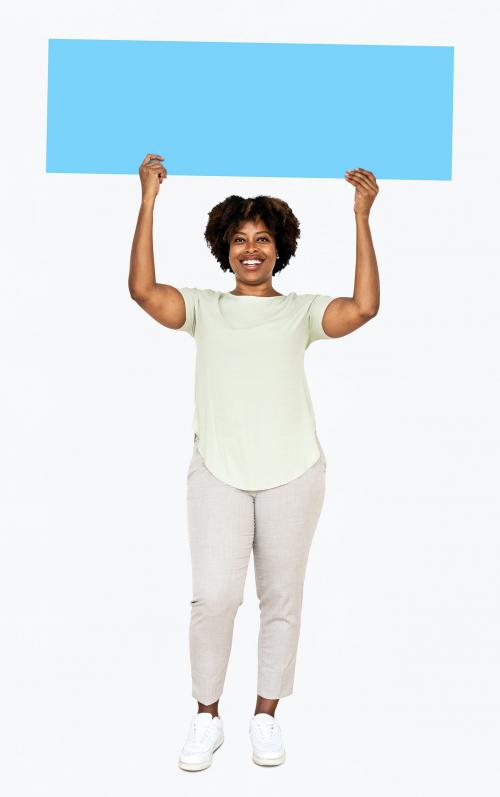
[(152, 174)]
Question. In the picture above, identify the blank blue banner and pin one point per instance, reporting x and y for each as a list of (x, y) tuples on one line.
[(250, 109)]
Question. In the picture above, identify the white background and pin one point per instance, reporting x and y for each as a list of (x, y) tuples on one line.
[(396, 689)]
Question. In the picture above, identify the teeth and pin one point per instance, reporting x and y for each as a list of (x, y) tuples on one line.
[(251, 262)]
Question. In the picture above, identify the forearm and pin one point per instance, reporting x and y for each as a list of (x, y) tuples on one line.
[(366, 280), (142, 266)]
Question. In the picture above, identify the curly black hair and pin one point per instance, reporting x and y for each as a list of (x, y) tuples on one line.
[(224, 218)]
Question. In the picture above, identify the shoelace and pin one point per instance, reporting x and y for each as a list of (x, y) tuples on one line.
[(267, 729), (197, 738)]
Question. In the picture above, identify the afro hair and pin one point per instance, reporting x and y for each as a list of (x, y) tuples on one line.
[(279, 218)]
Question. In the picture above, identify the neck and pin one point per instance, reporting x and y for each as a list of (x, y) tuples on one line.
[(258, 290)]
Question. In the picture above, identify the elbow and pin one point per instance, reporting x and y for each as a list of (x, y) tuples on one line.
[(135, 294), (369, 312), (139, 293), (366, 309)]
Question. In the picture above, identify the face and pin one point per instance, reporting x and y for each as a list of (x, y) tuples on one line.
[(252, 241)]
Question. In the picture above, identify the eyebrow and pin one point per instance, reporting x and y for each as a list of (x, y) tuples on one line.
[(240, 232)]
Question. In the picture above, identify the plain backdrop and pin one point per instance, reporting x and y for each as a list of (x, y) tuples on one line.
[(396, 689)]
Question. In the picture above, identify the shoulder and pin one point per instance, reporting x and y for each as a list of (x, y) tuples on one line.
[(199, 294), (197, 302), (313, 301)]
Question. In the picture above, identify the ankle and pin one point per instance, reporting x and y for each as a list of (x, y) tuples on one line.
[(212, 709), (266, 705)]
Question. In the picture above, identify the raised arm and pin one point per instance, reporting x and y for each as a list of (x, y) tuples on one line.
[(163, 302), (345, 313)]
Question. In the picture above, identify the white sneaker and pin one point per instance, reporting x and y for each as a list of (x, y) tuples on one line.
[(267, 742), (204, 737)]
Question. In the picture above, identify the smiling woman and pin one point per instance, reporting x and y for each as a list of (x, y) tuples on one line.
[(255, 238), (256, 478)]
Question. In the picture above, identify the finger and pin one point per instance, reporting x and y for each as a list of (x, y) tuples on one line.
[(368, 174), (360, 180), (149, 156), (364, 181)]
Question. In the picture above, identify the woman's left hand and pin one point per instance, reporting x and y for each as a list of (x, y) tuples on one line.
[(366, 189)]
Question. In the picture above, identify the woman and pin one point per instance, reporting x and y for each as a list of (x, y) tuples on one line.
[(256, 479)]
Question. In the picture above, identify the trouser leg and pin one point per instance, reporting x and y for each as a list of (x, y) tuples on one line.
[(221, 531), (285, 521)]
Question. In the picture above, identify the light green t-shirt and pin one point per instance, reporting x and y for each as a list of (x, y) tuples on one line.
[(253, 413)]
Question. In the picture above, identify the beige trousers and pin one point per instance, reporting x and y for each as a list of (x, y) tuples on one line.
[(225, 524)]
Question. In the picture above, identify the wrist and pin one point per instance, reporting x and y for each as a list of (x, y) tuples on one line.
[(148, 201)]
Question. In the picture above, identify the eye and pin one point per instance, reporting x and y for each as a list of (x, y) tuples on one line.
[(261, 238)]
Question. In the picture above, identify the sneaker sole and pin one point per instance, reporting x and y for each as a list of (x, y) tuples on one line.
[(268, 762), (202, 764)]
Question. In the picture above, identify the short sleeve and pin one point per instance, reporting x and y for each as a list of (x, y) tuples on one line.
[(315, 312), (190, 296)]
